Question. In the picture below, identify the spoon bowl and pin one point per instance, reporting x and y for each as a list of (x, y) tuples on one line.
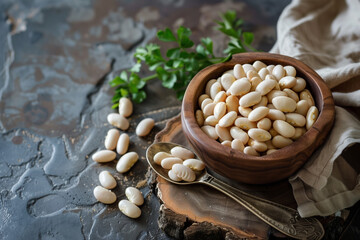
[(280, 217)]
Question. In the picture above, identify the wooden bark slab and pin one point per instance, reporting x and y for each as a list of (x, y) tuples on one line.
[(201, 203)]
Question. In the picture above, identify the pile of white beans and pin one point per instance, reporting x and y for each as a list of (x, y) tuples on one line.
[(119, 142), (181, 163), (256, 109)]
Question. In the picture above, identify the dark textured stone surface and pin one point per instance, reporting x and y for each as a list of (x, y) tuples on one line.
[(56, 59)]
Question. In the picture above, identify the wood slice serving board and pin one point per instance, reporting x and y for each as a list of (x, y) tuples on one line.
[(201, 203)]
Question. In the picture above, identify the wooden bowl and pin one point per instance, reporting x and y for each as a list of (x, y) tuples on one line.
[(244, 168)]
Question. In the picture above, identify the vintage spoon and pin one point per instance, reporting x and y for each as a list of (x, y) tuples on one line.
[(280, 217)]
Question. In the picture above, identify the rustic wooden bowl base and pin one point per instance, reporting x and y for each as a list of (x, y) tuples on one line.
[(204, 204)]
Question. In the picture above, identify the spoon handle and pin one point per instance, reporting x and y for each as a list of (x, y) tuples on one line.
[(280, 217)]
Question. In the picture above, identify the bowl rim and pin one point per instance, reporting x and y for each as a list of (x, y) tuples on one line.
[(323, 122)]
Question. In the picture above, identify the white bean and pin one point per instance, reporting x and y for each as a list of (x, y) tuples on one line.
[(125, 107), (211, 120), (104, 195), (111, 139), (210, 131), (134, 196), (258, 146), (223, 133), (300, 84), (275, 114), (240, 87), (258, 114), (247, 67), (258, 134), (238, 133), (103, 156), (107, 180), (264, 123), (266, 86), (181, 152), (184, 172), (275, 93), (255, 81), (244, 123), (250, 99), (280, 141), (306, 95), (270, 68), (208, 86), (284, 104), (284, 128), (129, 209), (226, 143), (144, 127), (228, 119), (118, 121), (205, 102), (237, 144), (227, 80), (168, 162), (215, 88), (287, 82), (202, 98), (251, 74), (194, 164), (302, 107), (199, 116), (209, 109), (159, 156), (291, 94), (311, 116), (296, 119), (220, 97), (298, 133), (259, 65), (232, 103), (173, 176), (239, 71), (290, 71), (251, 151), (263, 72), (262, 103), (123, 144), (219, 110), (278, 72), (244, 111), (126, 162)]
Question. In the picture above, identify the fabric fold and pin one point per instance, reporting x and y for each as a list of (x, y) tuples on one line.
[(326, 36)]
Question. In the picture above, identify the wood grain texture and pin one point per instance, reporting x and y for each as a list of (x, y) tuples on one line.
[(244, 168)]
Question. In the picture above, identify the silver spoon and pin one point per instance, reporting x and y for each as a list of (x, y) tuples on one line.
[(280, 217)]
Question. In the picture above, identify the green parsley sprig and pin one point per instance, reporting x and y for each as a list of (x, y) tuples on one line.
[(181, 63)]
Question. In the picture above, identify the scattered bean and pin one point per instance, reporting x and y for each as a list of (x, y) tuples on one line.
[(123, 144), (134, 196), (126, 162), (144, 127), (125, 107), (104, 195), (107, 180), (103, 156), (118, 121), (129, 209), (111, 139)]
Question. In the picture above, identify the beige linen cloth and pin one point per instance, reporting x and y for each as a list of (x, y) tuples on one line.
[(325, 34)]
